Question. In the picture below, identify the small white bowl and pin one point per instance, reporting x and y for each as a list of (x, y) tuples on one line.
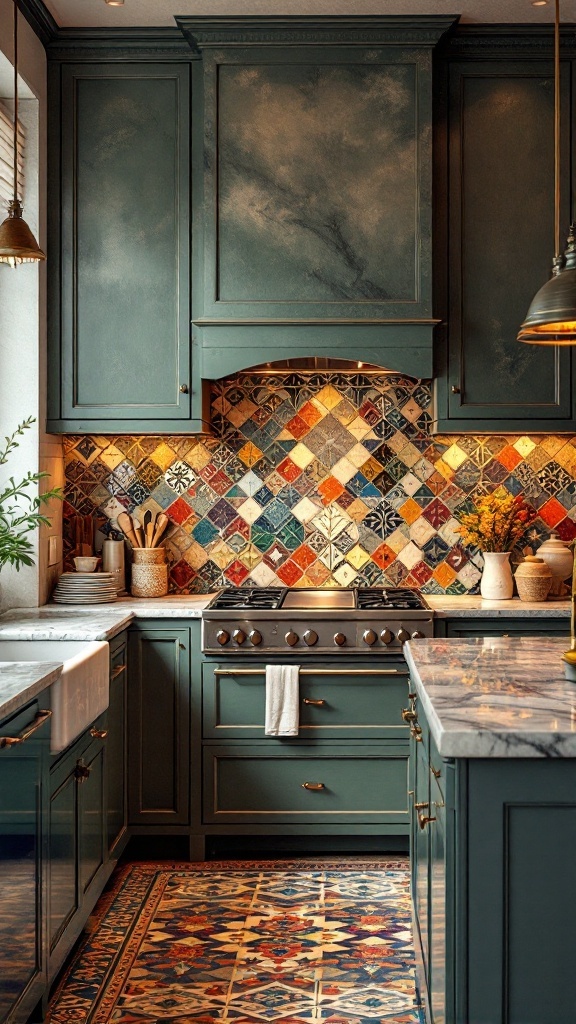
[(86, 563)]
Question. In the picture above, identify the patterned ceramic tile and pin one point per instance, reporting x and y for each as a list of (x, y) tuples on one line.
[(318, 478)]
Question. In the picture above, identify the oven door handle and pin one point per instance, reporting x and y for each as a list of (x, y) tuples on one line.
[(316, 672)]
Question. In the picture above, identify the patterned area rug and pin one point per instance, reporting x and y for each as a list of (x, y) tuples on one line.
[(284, 942)]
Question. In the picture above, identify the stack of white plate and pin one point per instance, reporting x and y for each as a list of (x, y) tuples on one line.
[(85, 588)]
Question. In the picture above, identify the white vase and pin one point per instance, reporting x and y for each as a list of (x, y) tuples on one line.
[(496, 583)]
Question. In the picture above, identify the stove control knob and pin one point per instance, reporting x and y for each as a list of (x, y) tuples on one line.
[(239, 636), (339, 639), (369, 637), (291, 638), (222, 637), (255, 637), (310, 638), (417, 635), (386, 636), (403, 635)]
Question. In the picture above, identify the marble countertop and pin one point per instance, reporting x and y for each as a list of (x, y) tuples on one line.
[(495, 697), (447, 606), (22, 680)]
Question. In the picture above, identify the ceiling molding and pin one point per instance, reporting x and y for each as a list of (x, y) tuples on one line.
[(119, 44), (345, 30), (483, 41), (39, 17)]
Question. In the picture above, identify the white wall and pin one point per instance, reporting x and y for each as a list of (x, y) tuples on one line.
[(23, 315)]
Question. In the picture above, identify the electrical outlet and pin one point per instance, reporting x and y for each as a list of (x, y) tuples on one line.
[(53, 550)]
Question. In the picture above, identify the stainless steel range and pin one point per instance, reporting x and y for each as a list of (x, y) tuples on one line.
[(371, 620)]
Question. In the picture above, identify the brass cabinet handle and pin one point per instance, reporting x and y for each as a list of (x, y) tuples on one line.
[(99, 734), (436, 772), (37, 723), (413, 697), (421, 806), (455, 389), (416, 733), (314, 672), (424, 820), (81, 771), (314, 703), (315, 786), (409, 715), (118, 670)]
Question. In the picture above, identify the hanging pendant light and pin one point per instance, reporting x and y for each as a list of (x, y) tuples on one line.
[(551, 318), (17, 243)]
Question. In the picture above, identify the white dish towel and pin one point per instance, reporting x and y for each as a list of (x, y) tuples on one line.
[(282, 700)]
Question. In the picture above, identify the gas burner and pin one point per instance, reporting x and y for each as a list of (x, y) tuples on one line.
[(389, 598), (249, 597)]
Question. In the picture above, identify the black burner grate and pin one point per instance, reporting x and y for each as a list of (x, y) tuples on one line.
[(393, 598), (249, 597)]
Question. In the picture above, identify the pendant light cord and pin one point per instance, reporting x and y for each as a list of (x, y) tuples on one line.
[(15, 55), (557, 131)]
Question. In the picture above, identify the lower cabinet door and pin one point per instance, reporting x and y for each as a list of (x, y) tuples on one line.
[(419, 849), (116, 753), (91, 817), (159, 727), (63, 845), (352, 784), (437, 908)]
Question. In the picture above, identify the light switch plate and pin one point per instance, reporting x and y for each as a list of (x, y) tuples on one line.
[(52, 550)]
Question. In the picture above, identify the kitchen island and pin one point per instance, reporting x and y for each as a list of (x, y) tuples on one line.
[(493, 785)]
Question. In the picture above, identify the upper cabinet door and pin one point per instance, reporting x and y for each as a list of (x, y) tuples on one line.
[(119, 313), (501, 243), (317, 184)]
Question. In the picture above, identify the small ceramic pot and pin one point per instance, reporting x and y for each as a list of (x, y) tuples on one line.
[(86, 563), (559, 557), (149, 580), (533, 579), (496, 583)]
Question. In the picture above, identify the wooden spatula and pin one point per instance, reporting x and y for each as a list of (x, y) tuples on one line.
[(125, 524), (160, 525), (148, 527)]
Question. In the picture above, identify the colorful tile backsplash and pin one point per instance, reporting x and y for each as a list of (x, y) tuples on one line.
[(318, 479)]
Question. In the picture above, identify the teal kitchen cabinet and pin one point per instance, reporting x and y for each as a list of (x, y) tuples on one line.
[(78, 863), (472, 627), (116, 810), (119, 288), (499, 153), (22, 859), (159, 758), (493, 881)]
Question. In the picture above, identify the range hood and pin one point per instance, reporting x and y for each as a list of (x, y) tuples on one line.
[(312, 180)]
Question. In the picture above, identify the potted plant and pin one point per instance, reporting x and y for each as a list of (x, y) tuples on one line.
[(495, 524), (20, 506)]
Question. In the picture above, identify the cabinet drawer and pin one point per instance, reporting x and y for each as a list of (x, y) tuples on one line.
[(351, 703), (244, 785)]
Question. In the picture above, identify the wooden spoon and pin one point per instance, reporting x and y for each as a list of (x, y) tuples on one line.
[(148, 527), (125, 524), (161, 523), (139, 532)]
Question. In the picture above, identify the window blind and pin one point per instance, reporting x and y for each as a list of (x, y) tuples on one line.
[(7, 159)]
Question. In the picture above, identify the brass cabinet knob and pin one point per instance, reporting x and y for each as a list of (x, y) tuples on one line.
[(310, 637), (409, 715), (424, 820), (403, 635), (417, 635), (386, 636), (369, 637), (422, 806), (81, 771), (455, 389), (239, 636), (339, 639), (436, 772), (314, 786), (184, 389), (255, 637), (416, 733), (222, 637), (99, 734), (291, 638)]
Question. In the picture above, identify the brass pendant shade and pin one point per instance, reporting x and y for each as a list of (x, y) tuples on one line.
[(17, 243), (551, 318)]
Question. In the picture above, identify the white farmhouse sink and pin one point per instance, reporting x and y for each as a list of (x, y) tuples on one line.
[(81, 692)]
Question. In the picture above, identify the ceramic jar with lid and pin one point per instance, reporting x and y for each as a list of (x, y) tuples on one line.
[(559, 557), (533, 579)]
